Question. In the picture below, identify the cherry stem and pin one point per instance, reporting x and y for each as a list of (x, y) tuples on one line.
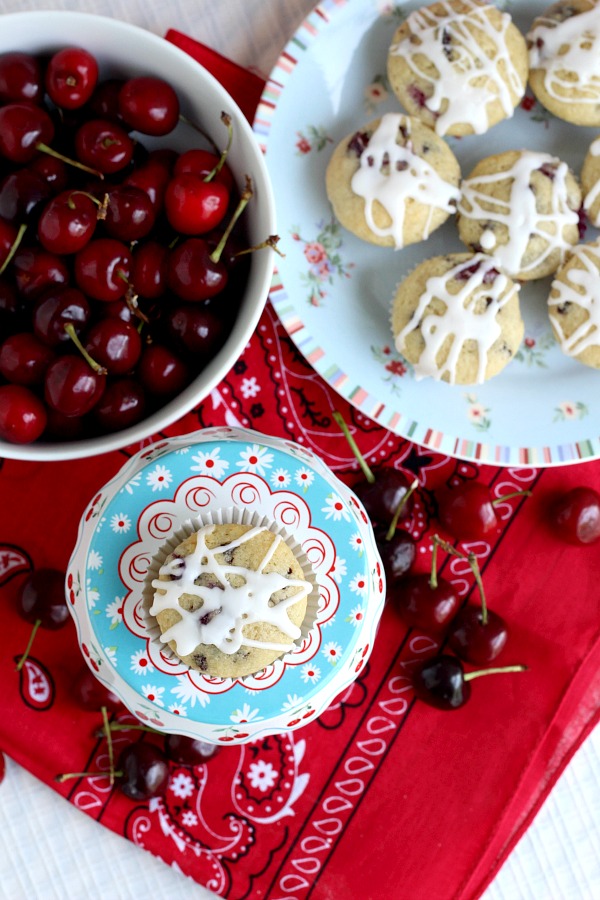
[(21, 662), (271, 242), (131, 299), (498, 670), (226, 120), (367, 471), (101, 204), (14, 248), (67, 775), (44, 148), (70, 329), (510, 496), (245, 197), (123, 726), (471, 559), (403, 501), (109, 744), (433, 582)]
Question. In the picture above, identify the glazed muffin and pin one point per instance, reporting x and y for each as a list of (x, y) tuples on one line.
[(458, 65), (393, 182), (564, 59), (574, 305), (590, 183), (523, 208), (230, 599), (456, 318)]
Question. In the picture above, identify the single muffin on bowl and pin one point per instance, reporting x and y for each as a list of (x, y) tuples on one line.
[(230, 599), (458, 65), (456, 318), (564, 60), (393, 182), (522, 207), (574, 305)]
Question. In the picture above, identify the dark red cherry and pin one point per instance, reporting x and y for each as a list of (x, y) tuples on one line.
[(575, 515), (397, 554), (22, 414), (23, 128), (103, 146), (42, 598), (152, 177), (114, 344), (466, 511), (122, 405), (71, 386), (91, 694), (102, 269), (145, 771), (36, 270), (22, 195), (161, 372), (150, 269), (104, 102), (71, 77), (24, 359), (201, 163), (8, 237), (53, 171), (56, 308), (67, 222), (381, 498), (473, 639), (197, 329), (130, 214), (149, 105), (422, 605), (194, 206), (188, 751), (193, 275), (20, 78), (440, 682)]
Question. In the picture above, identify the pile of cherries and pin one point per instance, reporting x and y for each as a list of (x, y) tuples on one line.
[(121, 267), (476, 634)]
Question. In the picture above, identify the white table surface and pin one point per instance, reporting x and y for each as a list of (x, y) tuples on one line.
[(51, 851)]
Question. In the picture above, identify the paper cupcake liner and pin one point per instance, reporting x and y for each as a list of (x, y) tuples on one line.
[(231, 515)]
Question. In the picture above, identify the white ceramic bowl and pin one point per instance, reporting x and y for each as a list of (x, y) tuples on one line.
[(127, 525), (125, 50)]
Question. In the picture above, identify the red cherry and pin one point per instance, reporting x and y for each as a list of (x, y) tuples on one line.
[(91, 694), (149, 273), (575, 515), (71, 77), (71, 386), (161, 372), (152, 177), (56, 308), (145, 771), (440, 682), (102, 269), (67, 222), (20, 78), (149, 105), (382, 497), (193, 274), (36, 270), (53, 171), (197, 329), (22, 414), (188, 751), (24, 359), (104, 102), (195, 206), (467, 510), (103, 146), (115, 345), (422, 605), (122, 405), (21, 194), (23, 128), (473, 639), (42, 600), (8, 236), (130, 214), (201, 163), (397, 553)]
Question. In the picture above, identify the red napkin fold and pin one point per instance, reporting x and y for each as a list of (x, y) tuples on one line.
[(383, 796)]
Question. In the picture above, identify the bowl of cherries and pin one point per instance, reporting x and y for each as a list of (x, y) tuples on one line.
[(136, 234)]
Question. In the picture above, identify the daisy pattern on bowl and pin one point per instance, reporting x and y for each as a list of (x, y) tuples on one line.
[(153, 693), (159, 478), (111, 655), (310, 673), (338, 569), (280, 478), (357, 543), (178, 709), (120, 523), (255, 459), (114, 611), (187, 692), (332, 652), (140, 664), (245, 714), (92, 593), (335, 508), (304, 478), (356, 616), (210, 463), (293, 701), (94, 560), (359, 584)]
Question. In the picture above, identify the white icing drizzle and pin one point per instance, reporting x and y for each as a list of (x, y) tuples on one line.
[(582, 287), (594, 192), (471, 78), (519, 213), (391, 174), (460, 319), (568, 52), (233, 607)]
